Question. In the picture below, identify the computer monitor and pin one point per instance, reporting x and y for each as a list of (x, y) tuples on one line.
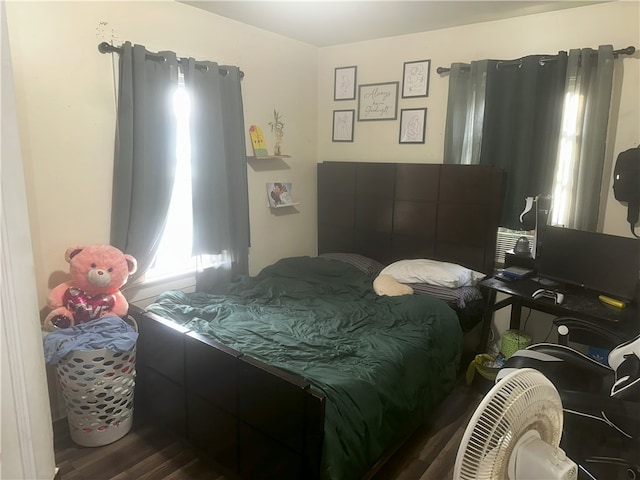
[(608, 264)]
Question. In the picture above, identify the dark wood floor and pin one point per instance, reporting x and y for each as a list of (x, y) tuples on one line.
[(147, 452), (430, 453)]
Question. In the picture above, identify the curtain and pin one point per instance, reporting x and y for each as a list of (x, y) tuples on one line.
[(218, 165), (580, 162), (541, 119), (465, 112), (508, 114), (522, 116), (145, 156)]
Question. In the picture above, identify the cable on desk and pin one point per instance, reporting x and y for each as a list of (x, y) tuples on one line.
[(524, 326), (549, 332)]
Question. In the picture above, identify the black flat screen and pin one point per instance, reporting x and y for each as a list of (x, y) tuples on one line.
[(605, 263)]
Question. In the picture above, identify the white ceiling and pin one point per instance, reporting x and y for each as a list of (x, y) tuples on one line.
[(325, 23)]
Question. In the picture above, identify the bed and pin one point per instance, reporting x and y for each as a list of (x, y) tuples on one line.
[(304, 371)]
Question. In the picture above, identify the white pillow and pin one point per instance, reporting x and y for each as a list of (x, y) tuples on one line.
[(387, 285), (443, 274)]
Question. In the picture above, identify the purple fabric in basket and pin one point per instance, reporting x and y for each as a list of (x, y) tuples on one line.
[(109, 332)]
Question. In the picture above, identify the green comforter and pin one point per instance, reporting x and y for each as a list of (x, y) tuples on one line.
[(377, 359)]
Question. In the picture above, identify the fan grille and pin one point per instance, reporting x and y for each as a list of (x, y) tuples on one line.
[(523, 401)]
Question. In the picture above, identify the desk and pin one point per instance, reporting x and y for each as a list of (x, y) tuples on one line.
[(578, 303)]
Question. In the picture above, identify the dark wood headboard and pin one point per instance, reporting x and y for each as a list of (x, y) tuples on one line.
[(394, 211)]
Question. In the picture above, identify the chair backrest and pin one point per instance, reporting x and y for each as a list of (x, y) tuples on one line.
[(588, 333)]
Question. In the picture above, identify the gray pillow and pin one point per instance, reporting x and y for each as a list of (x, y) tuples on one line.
[(367, 265)]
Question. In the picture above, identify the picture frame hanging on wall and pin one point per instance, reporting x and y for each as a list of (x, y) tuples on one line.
[(343, 121), (378, 101), (344, 83), (413, 123), (415, 79), (280, 194)]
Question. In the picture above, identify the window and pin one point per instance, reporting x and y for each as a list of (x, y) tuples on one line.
[(563, 183), (174, 257)]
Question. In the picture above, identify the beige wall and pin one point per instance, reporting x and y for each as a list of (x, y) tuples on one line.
[(617, 23), (382, 61), (66, 113), (66, 104)]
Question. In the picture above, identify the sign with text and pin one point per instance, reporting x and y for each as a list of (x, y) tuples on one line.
[(378, 101)]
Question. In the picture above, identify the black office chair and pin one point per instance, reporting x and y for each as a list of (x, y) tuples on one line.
[(601, 403)]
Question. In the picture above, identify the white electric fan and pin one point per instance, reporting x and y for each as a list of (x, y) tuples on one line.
[(515, 432)]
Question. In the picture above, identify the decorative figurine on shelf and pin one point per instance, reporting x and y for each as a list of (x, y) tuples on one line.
[(97, 274), (277, 127)]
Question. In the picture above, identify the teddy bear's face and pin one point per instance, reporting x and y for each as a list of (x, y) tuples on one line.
[(100, 269)]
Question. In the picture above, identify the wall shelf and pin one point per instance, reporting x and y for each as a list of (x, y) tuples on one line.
[(267, 157), (285, 205)]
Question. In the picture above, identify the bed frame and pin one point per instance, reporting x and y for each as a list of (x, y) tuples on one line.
[(257, 421), (392, 211)]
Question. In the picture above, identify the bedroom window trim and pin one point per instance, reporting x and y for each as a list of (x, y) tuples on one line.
[(145, 293)]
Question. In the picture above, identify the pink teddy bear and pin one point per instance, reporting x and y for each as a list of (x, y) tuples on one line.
[(97, 274)]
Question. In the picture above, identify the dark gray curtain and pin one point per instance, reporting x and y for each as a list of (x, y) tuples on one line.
[(523, 111), (543, 119), (218, 164), (145, 157), (587, 94), (465, 112), (507, 114)]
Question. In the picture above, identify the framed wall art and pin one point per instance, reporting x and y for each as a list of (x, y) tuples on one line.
[(415, 79), (413, 122), (343, 121), (279, 194), (344, 83), (378, 101)]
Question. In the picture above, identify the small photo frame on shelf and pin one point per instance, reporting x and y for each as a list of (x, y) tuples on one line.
[(413, 123), (279, 194), (415, 79), (344, 83), (343, 121), (378, 101)]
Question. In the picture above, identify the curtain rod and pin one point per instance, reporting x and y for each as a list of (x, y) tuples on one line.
[(624, 51), (105, 47)]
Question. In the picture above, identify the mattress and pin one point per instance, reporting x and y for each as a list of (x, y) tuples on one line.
[(378, 360)]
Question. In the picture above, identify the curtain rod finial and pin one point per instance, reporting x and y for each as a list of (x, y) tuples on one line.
[(104, 47), (630, 50)]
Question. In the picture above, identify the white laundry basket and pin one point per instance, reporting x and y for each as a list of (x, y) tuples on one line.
[(98, 386)]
